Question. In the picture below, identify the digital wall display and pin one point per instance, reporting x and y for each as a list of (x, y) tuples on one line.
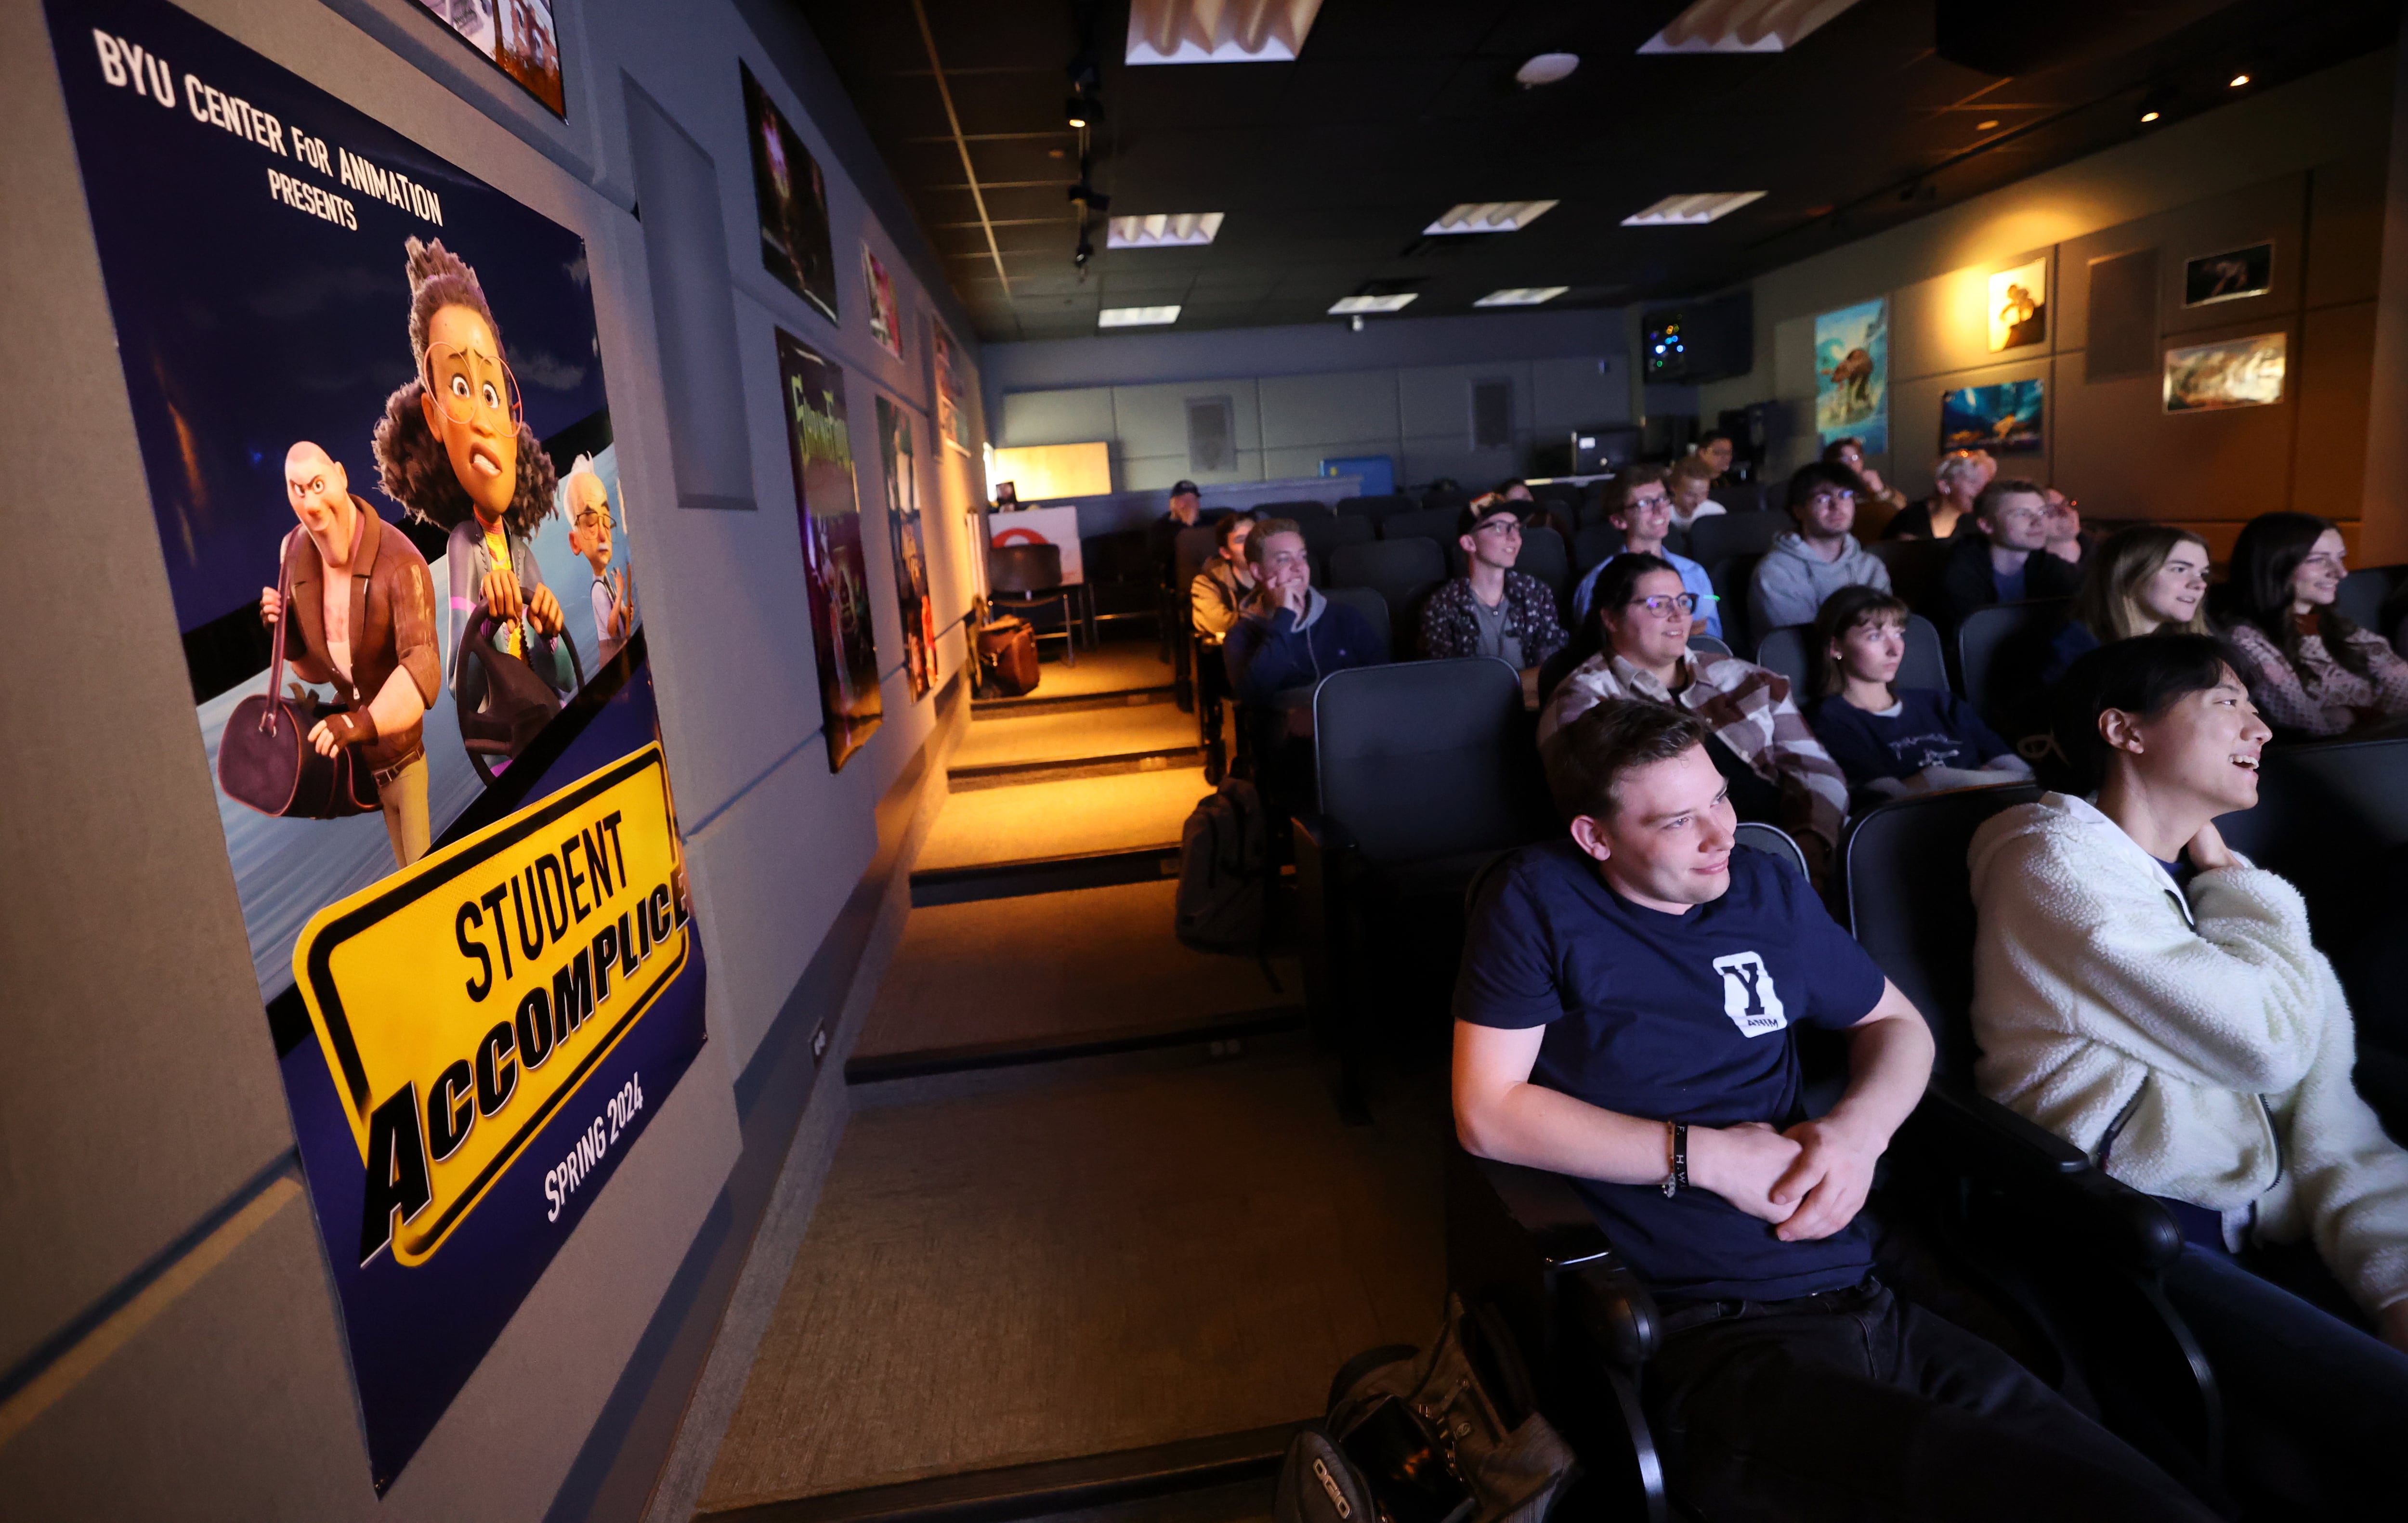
[(820, 442), (516, 37), (898, 462), (369, 399), (1851, 375), (791, 196)]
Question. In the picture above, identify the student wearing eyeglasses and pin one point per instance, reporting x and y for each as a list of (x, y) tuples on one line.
[(1493, 609), (1804, 568), (1778, 771)]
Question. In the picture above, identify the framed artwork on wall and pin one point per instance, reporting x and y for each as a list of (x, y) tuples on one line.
[(516, 37), (2018, 312), (820, 444), (2003, 417), (1851, 375), (791, 196), (900, 466), (885, 320), (2229, 277), (952, 387), (2233, 373)]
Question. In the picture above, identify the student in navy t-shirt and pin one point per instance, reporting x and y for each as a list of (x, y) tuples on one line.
[(1890, 741), (1624, 1018)]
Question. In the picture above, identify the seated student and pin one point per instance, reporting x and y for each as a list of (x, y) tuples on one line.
[(1493, 609), (1219, 592), (1161, 536), (1779, 771), (1805, 567), (1289, 637), (1956, 481), (1626, 1015), (1691, 483), (2009, 561), (2308, 667), (1892, 742), (2155, 1000), (2147, 580), (1877, 501), (1645, 516), (1716, 449)]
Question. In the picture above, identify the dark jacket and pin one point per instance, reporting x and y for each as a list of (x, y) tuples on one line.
[(1450, 628), (392, 626), (1271, 655), (1965, 584)]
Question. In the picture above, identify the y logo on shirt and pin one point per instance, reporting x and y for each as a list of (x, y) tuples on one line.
[(1748, 995)]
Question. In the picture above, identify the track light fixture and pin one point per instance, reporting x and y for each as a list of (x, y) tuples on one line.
[(1078, 110)]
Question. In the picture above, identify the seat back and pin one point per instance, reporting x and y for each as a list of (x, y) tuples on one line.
[(1774, 842), (1596, 543), (1996, 642), (1910, 903), (1191, 552), (1730, 576), (1543, 556), (1914, 566), (1564, 494), (1728, 535), (2362, 592), (1436, 524), (1430, 760), (1303, 511), (1403, 571), (1021, 569), (1706, 644), (1370, 606), (1374, 509), (1326, 534), (1452, 502), (1784, 650)]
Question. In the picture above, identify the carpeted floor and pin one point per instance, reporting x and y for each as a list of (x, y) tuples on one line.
[(1118, 813), (1057, 965), (996, 739), (1117, 666), (1080, 1268)]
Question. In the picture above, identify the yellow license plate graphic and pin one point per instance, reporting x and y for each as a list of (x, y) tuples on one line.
[(460, 1003)]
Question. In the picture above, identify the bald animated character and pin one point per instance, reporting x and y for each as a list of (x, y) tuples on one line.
[(363, 612), (589, 536)]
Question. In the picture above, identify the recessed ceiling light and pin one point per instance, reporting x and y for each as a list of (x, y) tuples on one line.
[(1693, 211), (2238, 80), (1521, 296), (1135, 317), (2150, 115), (1490, 217), (1545, 69), (1199, 32), (1348, 307), (1165, 229), (1985, 127), (1718, 26)]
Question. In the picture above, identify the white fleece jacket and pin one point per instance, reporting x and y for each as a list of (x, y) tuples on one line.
[(2214, 1033)]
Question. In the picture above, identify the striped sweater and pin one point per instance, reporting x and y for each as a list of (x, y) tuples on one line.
[(1752, 713)]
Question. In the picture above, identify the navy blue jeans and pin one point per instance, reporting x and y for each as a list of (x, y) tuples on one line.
[(2314, 1408), (1854, 1406)]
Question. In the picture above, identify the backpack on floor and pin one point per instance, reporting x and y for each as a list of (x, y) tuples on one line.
[(1453, 1434), (1006, 651), (1225, 871)]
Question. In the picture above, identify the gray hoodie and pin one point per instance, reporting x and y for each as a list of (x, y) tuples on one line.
[(1792, 580)]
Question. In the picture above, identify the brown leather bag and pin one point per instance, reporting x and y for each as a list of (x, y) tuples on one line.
[(265, 757), (1008, 652)]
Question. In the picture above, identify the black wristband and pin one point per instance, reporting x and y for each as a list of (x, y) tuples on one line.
[(1680, 1155)]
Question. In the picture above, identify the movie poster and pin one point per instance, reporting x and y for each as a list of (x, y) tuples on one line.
[(370, 403), (952, 387), (2229, 276), (2234, 373), (821, 446), (791, 197), (885, 320), (517, 36), (1851, 375), (2003, 417), (2019, 305), (901, 465)]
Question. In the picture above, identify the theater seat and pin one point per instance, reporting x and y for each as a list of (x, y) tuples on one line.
[(1999, 652), (1735, 532), (1302, 511), (1436, 524), (1370, 605), (1374, 509), (1427, 770), (1597, 542), (1783, 650), (1403, 571), (1325, 534), (2363, 593), (1730, 576)]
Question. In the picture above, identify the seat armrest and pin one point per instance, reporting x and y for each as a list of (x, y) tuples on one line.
[(2014, 1154), (1613, 1311), (1326, 836)]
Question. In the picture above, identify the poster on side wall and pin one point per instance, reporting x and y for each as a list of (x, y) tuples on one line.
[(2019, 305), (368, 393), (1851, 375), (820, 444), (952, 388), (885, 320), (2235, 373), (790, 196), (901, 465), (516, 37), (2229, 277), (2003, 417)]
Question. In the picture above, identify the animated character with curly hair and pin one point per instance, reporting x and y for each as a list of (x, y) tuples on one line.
[(454, 450)]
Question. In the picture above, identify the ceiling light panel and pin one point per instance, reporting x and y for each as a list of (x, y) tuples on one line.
[(1490, 217), (1521, 296), (1218, 31), (1349, 306), (1743, 27), (1165, 229), (1693, 211), (1135, 317)]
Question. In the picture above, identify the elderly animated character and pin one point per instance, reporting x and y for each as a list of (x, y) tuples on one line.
[(589, 535), (454, 450), (363, 608)]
